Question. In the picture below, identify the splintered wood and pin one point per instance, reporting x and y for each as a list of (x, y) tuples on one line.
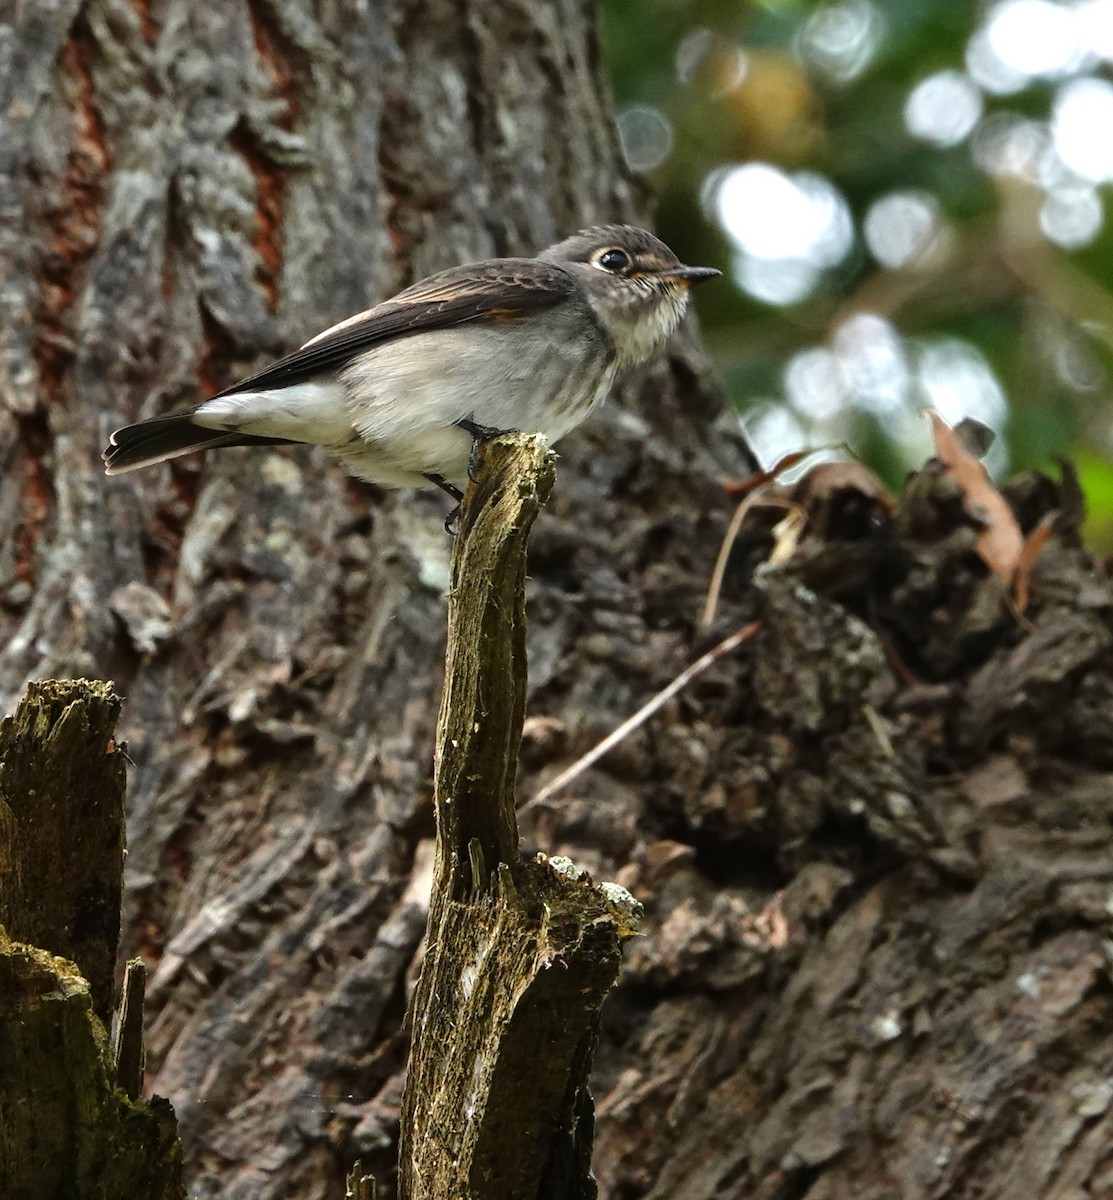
[(520, 954)]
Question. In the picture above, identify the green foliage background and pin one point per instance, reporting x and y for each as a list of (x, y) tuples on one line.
[(1037, 314)]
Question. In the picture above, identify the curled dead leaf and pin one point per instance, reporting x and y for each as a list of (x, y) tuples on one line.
[(999, 542), (812, 493)]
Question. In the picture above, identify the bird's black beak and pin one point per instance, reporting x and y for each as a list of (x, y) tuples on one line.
[(689, 274)]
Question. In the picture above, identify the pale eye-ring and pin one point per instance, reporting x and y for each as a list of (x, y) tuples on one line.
[(613, 260)]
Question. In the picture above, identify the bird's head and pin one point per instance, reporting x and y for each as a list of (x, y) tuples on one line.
[(636, 285)]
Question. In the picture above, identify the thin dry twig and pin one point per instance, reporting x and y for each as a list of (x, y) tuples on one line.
[(743, 487), (716, 584), (644, 713)]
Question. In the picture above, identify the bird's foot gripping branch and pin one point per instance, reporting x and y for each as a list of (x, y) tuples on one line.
[(520, 954)]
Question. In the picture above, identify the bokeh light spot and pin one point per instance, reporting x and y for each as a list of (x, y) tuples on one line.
[(647, 137), (905, 228), (873, 360), (815, 385), (1080, 126), (957, 382), (987, 70), (943, 108), (774, 430), (780, 282), (1071, 216), (1094, 27), (1008, 144), (788, 229), (706, 56), (773, 215), (1033, 37), (840, 40)]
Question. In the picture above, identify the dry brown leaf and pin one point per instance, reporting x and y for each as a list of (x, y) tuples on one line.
[(1029, 556), (786, 535), (826, 479), (820, 483), (1000, 542)]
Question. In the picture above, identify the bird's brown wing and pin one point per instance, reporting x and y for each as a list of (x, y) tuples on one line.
[(497, 290)]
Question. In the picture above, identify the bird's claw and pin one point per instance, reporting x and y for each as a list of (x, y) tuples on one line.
[(479, 435)]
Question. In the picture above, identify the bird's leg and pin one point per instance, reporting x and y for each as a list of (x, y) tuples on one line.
[(479, 435), (452, 490), (449, 488)]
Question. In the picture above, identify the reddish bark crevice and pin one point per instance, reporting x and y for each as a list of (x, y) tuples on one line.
[(218, 352), (270, 200), (72, 215), (148, 24), (36, 496), (398, 128), (163, 539), (279, 56)]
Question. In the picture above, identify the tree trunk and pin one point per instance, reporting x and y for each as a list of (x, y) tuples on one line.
[(192, 189), (863, 973)]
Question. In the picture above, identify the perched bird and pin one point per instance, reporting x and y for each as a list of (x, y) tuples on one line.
[(401, 393)]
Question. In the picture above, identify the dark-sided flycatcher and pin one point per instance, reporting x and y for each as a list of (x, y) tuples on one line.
[(400, 392)]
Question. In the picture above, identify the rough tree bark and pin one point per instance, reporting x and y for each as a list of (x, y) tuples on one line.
[(863, 973), (879, 961)]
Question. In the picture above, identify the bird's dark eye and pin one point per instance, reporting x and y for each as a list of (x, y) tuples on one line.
[(613, 260)]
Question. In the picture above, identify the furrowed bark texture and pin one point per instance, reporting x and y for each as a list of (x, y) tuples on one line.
[(66, 1127), (189, 189), (879, 961), (519, 955)]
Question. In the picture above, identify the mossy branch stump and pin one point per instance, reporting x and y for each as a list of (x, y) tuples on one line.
[(520, 954), (70, 1124)]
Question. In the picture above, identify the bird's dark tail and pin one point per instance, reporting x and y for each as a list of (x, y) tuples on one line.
[(166, 437)]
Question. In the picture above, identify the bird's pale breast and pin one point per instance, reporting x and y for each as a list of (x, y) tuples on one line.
[(405, 397)]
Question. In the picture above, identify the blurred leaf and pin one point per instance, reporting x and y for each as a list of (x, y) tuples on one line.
[(1095, 473)]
